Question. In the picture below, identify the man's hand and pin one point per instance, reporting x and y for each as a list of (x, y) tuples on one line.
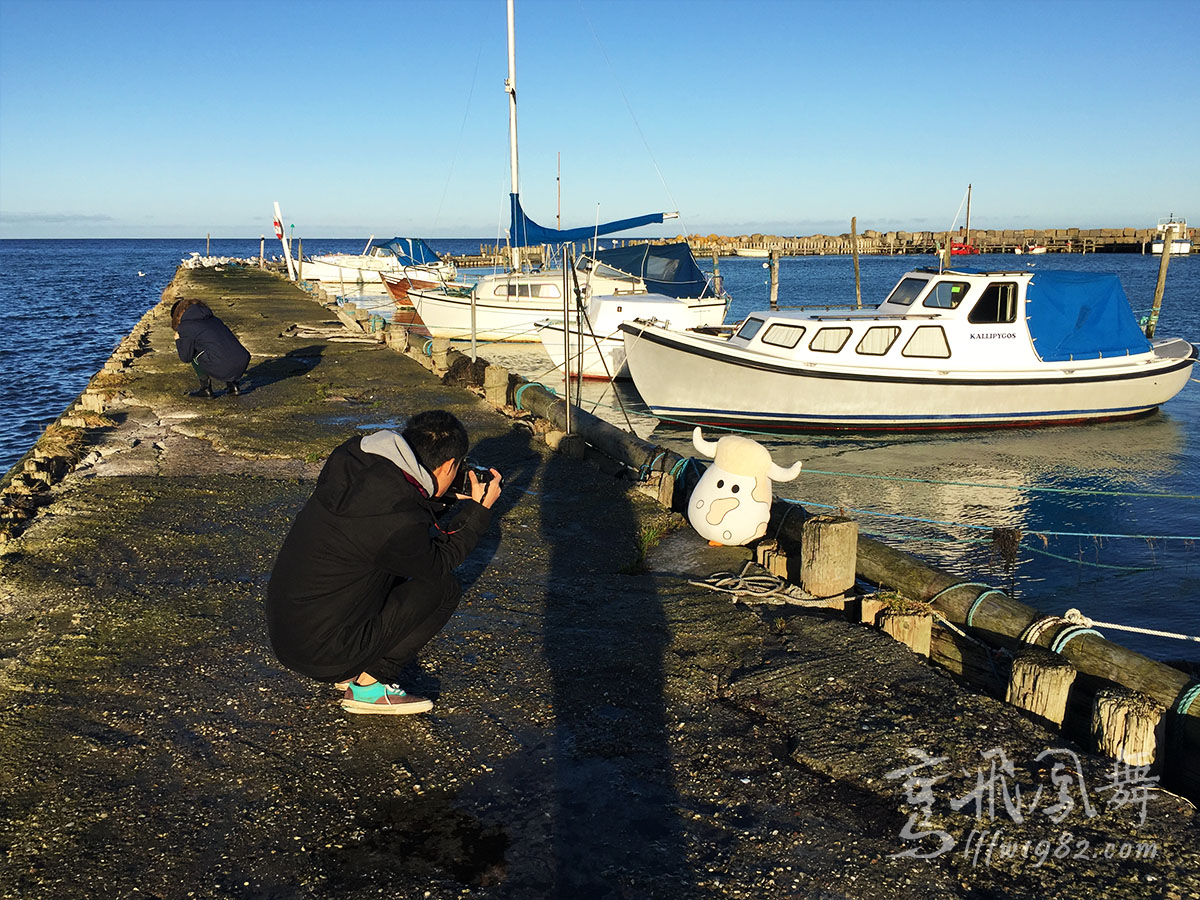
[(485, 494)]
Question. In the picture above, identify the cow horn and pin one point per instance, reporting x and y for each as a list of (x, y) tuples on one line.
[(708, 448), (778, 473)]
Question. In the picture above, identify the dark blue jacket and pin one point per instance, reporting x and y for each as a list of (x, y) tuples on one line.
[(206, 340)]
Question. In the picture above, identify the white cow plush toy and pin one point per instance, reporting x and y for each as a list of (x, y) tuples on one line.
[(732, 501)]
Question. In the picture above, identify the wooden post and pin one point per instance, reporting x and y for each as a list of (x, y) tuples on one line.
[(300, 261), (495, 385), (262, 248), (774, 267), (854, 250), (828, 552), (1161, 284), (441, 349), (768, 555), (208, 244), (912, 629), (717, 281), (1129, 727), (872, 607), (1040, 684)]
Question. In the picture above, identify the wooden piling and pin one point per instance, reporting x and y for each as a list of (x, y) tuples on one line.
[(300, 261), (495, 385), (828, 550), (774, 267), (1161, 284), (1129, 727), (854, 250), (1040, 684), (717, 281), (914, 629)]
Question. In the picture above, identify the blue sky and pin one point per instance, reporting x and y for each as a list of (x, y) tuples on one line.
[(167, 119)]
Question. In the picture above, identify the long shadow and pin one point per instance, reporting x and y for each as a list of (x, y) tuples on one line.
[(299, 361), (616, 832)]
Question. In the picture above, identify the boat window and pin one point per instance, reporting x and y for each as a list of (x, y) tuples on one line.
[(907, 291), (946, 294), (783, 335), (997, 306), (549, 291), (830, 340), (661, 269), (749, 328), (928, 340), (878, 341)]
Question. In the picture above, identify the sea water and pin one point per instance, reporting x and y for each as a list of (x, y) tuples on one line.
[(1108, 514)]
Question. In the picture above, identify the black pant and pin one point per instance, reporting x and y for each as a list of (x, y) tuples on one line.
[(414, 612)]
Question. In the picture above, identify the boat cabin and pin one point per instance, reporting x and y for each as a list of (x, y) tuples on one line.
[(973, 320)]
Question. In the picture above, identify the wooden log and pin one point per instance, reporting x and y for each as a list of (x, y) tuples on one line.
[(1040, 684), (854, 249), (828, 550), (1129, 727), (607, 438), (913, 629), (872, 607)]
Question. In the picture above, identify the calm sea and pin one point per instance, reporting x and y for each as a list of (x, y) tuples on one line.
[(1109, 515)]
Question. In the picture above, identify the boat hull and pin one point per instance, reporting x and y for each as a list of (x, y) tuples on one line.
[(696, 380)]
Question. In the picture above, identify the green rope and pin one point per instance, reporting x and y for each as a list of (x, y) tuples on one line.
[(529, 384)]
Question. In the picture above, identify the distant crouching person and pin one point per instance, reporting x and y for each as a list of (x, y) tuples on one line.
[(207, 343)]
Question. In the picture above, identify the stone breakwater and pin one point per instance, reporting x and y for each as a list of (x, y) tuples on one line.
[(602, 727)]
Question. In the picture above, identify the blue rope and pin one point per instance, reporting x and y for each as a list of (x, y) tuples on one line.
[(1065, 636), (427, 347), (646, 468), (1185, 702)]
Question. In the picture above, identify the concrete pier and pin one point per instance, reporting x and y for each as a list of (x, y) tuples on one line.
[(602, 727)]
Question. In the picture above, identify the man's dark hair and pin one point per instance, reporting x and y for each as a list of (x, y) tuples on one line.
[(436, 436)]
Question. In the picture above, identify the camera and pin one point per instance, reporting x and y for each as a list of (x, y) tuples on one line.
[(462, 484)]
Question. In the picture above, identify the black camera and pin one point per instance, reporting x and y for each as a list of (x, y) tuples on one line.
[(461, 483)]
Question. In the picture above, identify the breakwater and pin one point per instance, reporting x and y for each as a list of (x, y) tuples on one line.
[(603, 727), (888, 243)]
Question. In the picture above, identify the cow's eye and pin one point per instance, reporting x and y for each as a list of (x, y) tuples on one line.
[(720, 482), (736, 487)]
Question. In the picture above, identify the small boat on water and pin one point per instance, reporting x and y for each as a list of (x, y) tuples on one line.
[(1176, 231), (961, 348), (397, 256), (680, 296), (1031, 249)]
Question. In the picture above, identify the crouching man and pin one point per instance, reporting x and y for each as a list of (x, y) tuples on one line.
[(365, 576)]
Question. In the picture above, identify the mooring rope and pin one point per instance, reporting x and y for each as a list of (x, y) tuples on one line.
[(1075, 617), (760, 588)]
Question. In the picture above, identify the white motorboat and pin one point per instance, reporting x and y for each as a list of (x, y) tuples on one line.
[(1176, 231), (951, 349), (397, 256)]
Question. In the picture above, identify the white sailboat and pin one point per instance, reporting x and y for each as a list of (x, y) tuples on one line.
[(505, 306)]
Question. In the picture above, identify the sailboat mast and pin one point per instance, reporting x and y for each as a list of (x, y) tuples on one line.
[(510, 87), (967, 241)]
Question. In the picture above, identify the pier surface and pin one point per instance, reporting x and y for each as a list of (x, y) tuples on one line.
[(602, 727)]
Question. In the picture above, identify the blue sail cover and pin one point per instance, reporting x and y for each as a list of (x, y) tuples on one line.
[(1078, 315), (410, 251), (669, 269), (528, 233)]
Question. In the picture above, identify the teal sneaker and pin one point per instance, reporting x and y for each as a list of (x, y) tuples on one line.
[(382, 700)]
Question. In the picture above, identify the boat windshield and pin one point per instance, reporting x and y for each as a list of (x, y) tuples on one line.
[(907, 291), (749, 328)]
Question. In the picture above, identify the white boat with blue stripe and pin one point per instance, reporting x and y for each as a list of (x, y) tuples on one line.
[(960, 348)]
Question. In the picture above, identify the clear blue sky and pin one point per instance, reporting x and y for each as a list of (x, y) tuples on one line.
[(172, 119)]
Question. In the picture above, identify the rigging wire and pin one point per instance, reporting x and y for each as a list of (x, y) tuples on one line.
[(461, 131)]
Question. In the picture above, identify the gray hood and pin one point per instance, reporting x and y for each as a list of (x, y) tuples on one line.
[(393, 447)]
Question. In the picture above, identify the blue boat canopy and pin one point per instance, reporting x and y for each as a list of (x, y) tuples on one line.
[(410, 251), (1079, 315), (527, 233), (669, 269)]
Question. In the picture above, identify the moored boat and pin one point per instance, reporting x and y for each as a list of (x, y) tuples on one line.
[(397, 256), (956, 349), (1176, 231)]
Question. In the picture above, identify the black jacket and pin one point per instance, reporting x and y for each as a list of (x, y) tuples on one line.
[(366, 528), (207, 340)]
